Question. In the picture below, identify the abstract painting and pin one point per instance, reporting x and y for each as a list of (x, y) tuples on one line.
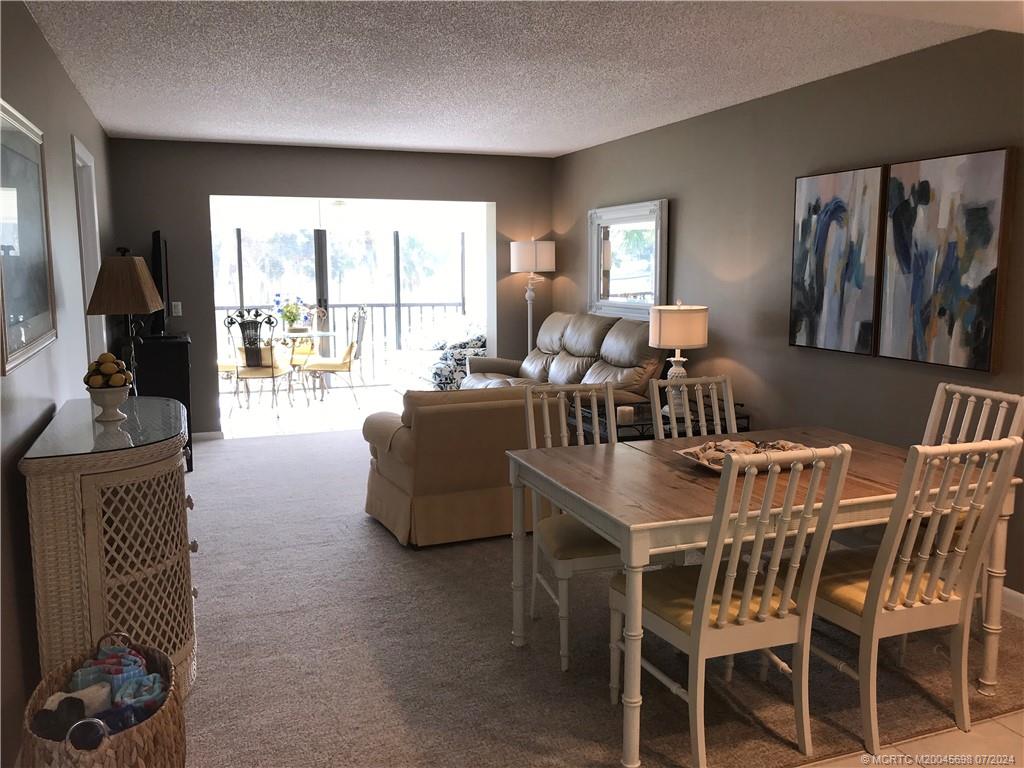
[(835, 256), (943, 220)]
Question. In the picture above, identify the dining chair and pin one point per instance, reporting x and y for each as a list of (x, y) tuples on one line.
[(1001, 415), (677, 398), (930, 556), (258, 356), (318, 366), (568, 545), (726, 605), (972, 423), (303, 349)]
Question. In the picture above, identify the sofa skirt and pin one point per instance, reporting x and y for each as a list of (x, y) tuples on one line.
[(439, 519)]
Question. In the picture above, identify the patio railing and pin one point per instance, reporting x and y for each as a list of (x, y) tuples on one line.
[(386, 324)]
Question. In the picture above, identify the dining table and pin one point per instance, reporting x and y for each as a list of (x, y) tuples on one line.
[(647, 500)]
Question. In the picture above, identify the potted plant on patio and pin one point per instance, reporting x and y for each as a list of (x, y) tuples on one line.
[(294, 314)]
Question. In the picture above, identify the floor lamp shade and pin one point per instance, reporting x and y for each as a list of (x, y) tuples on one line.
[(124, 286), (679, 326), (533, 256)]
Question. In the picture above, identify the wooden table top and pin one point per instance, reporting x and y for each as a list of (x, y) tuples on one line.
[(641, 484)]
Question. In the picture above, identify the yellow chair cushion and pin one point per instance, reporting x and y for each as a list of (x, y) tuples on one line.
[(328, 365), (670, 593), (845, 575), (261, 373), (566, 538)]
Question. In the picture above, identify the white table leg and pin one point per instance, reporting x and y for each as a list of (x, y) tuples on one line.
[(992, 623), (635, 556), (518, 536)]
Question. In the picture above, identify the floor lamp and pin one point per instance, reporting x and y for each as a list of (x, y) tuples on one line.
[(124, 286), (532, 256)]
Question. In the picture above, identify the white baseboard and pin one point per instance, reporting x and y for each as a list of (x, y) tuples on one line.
[(1013, 602), (199, 437)]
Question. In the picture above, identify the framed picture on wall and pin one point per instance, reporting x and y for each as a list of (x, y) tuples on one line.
[(26, 274), (836, 230), (944, 217)]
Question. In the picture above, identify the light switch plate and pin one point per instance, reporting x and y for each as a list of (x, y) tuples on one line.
[(175, 309)]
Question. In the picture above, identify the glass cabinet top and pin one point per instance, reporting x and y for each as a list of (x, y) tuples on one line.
[(73, 430)]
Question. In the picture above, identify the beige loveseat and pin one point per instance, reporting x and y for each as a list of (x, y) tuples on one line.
[(438, 471), (578, 349)]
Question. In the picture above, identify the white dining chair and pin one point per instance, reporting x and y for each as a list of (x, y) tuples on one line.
[(959, 414), (726, 605), (930, 556), (677, 398), (568, 545), (999, 415)]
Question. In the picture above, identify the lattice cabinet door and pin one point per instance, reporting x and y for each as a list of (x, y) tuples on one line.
[(137, 555)]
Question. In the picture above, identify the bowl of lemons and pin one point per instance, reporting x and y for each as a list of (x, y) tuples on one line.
[(108, 381)]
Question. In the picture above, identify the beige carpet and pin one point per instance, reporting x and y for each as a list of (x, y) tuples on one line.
[(322, 642)]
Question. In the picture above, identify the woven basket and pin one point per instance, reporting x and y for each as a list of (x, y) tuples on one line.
[(157, 742)]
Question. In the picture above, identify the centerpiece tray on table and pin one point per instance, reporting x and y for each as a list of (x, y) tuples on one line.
[(711, 455)]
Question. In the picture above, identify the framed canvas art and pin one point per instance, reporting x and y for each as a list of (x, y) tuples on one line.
[(26, 276), (835, 260), (940, 268)]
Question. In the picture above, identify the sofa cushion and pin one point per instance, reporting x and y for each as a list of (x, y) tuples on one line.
[(549, 337), (626, 344), (585, 333), (536, 365), (478, 381), (567, 368)]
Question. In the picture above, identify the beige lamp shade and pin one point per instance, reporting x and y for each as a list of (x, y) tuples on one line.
[(124, 286), (679, 326), (533, 256)]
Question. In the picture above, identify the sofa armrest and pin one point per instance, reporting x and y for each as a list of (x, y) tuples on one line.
[(379, 429), (501, 365)]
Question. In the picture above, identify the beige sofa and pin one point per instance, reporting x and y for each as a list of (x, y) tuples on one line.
[(578, 349), (438, 471)]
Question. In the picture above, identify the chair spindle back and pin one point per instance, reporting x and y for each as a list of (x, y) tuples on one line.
[(677, 395), (541, 399), (250, 324), (744, 527), (965, 414), (946, 508)]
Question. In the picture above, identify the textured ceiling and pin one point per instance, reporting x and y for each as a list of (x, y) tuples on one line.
[(530, 78)]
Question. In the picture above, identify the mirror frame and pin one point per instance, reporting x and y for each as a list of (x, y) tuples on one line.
[(626, 214)]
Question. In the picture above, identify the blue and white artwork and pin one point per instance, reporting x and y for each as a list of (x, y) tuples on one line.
[(943, 218), (835, 255)]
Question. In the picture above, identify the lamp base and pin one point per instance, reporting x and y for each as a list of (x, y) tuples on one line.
[(676, 372)]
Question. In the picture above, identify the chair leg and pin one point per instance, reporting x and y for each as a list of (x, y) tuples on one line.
[(535, 545), (615, 655), (867, 672), (248, 395), (762, 672), (351, 388), (959, 639), (563, 621), (695, 694), (801, 696), (730, 662)]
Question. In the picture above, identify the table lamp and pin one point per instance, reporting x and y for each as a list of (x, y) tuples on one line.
[(678, 327), (532, 256), (124, 286)]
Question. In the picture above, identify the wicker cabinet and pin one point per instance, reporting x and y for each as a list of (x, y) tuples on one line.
[(108, 517)]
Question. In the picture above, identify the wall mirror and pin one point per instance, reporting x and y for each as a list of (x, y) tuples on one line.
[(627, 249)]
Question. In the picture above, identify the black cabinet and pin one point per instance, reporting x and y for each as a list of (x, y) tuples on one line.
[(163, 369)]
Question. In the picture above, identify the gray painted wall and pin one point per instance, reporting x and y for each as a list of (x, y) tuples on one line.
[(729, 177), (35, 84), (166, 185)]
